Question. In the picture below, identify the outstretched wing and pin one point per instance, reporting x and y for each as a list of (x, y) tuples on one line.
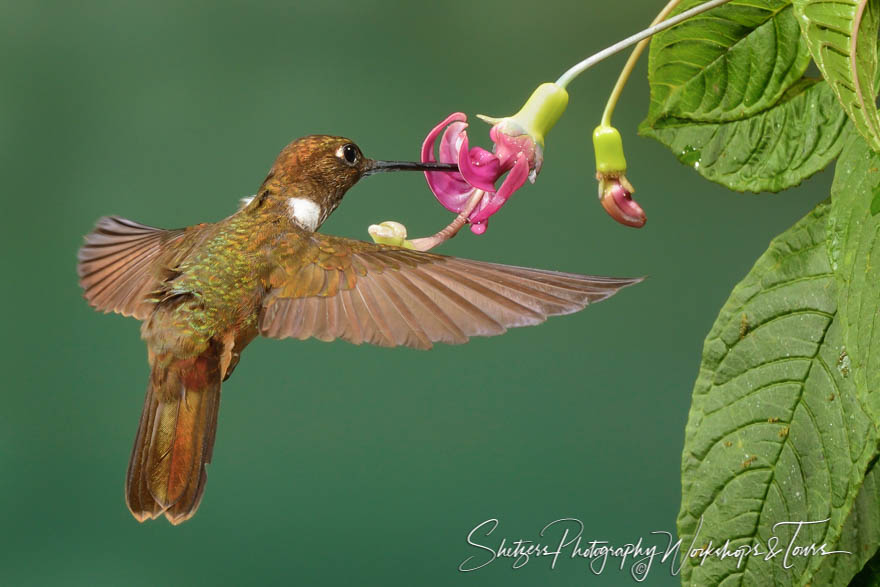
[(330, 287), (122, 261), (116, 264)]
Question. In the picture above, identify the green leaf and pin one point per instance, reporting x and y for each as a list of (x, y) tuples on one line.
[(860, 536), (729, 99), (854, 249), (776, 432), (869, 576), (726, 64), (842, 38), (770, 151), (875, 202)]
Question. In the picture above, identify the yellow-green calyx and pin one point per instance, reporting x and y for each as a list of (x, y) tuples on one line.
[(609, 151), (538, 114), (390, 233)]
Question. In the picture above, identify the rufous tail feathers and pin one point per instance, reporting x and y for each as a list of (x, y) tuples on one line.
[(175, 438)]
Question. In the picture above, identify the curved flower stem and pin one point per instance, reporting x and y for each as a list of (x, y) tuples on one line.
[(630, 65), (429, 242), (589, 62)]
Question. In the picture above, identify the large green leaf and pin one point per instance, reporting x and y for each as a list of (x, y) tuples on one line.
[(854, 250), (860, 536), (773, 150), (776, 432), (731, 62), (728, 97), (842, 37), (869, 576)]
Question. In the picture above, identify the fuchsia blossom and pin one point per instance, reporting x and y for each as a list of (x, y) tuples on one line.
[(518, 152), (517, 155)]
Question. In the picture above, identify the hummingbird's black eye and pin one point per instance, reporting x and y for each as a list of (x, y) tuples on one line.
[(350, 154)]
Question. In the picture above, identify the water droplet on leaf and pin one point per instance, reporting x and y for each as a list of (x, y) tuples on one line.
[(690, 156)]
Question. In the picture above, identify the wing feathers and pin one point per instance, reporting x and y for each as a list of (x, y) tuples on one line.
[(375, 316), (410, 333), (116, 264), (352, 330), (437, 324), (525, 294), (396, 297), (467, 316), (501, 306)]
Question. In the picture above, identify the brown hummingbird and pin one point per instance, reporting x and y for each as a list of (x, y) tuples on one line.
[(204, 292)]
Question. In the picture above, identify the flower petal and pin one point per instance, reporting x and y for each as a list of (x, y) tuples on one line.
[(479, 167), (617, 201), (450, 142), (449, 187), (479, 227), (428, 143), (509, 146), (514, 180)]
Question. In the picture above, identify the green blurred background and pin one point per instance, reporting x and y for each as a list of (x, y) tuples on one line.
[(337, 464)]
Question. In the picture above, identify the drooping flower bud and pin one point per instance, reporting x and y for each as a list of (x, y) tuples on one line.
[(615, 192)]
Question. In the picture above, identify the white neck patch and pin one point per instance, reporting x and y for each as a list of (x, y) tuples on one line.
[(305, 212)]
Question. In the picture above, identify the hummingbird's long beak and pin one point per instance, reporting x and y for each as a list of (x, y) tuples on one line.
[(372, 166)]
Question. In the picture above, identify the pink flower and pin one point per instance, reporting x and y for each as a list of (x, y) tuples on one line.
[(517, 155)]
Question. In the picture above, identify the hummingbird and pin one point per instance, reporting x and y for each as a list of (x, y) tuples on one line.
[(204, 292)]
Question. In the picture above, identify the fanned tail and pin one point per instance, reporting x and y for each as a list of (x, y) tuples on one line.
[(175, 438)]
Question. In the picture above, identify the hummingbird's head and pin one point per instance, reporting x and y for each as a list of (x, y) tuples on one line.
[(313, 173)]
